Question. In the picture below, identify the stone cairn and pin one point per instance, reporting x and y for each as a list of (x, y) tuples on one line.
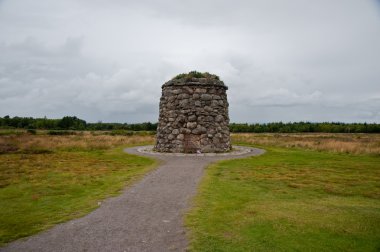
[(193, 115)]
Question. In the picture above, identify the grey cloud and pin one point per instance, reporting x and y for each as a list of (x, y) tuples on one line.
[(61, 81), (106, 60)]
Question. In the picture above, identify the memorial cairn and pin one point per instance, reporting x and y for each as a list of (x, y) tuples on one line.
[(193, 115)]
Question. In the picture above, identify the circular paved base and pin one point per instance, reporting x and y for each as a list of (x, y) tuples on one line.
[(236, 150)]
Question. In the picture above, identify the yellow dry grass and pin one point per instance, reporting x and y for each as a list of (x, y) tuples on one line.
[(84, 141), (334, 142)]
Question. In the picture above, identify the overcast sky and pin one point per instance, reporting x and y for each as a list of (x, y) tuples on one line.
[(102, 60)]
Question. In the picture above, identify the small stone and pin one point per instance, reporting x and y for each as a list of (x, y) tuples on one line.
[(181, 119), (212, 91), (206, 97), (172, 99), (208, 148), (180, 136), (191, 125), (189, 90), (219, 118), (177, 142), (209, 119), (185, 131), (209, 109), (204, 141), (183, 96), (192, 118), (183, 103), (196, 131), (175, 132), (167, 130), (214, 103), (202, 129), (200, 90), (171, 137), (203, 136)]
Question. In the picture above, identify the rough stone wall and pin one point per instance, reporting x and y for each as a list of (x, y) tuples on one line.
[(193, 116)]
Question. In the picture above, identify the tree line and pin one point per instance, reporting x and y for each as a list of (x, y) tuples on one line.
[(70, 123), (299, 127), (74, 123)]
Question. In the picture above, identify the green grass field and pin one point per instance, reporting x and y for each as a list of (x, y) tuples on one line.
[(307, 193), (41, 188), (289, 199)]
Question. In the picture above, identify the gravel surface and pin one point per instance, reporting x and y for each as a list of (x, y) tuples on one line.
[(147, 216)]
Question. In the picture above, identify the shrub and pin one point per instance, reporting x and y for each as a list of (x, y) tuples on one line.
[(196, 74), (31, 131), (60, 132), (9, 132)]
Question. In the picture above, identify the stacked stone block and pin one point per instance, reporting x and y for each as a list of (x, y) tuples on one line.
[(193, 116)]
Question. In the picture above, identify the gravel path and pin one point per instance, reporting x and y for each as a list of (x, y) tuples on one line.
[(147, 216)]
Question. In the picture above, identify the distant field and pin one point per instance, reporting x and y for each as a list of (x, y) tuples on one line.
[(309, 192), (333, 142), (47, 179)]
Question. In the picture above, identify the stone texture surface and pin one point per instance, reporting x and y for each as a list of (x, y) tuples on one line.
[(193, 116)]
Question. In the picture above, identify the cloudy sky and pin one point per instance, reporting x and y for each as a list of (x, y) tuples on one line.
[(102, 60)]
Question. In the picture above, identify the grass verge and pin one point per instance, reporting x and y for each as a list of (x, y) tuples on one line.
[(288, 200), (43, 189)]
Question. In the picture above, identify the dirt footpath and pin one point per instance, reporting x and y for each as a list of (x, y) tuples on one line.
[(147, 216)]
